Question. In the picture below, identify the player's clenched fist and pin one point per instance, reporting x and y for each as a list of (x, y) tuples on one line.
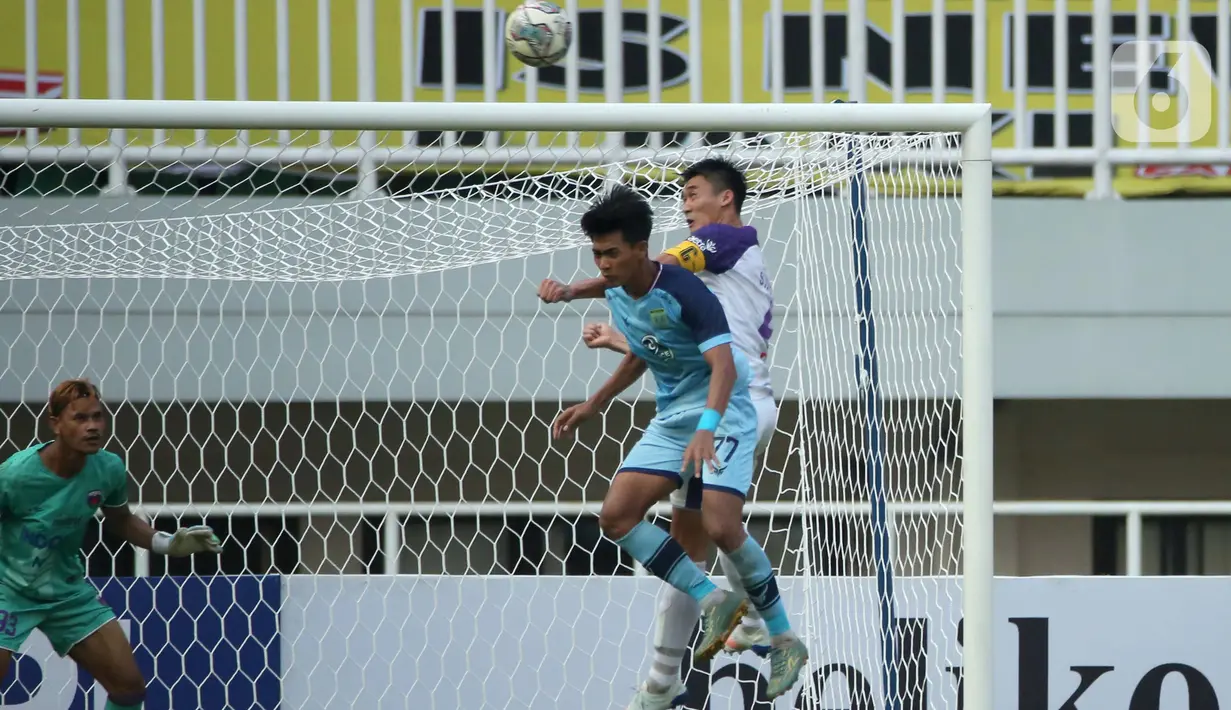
[(571, 418), (602, 335), (187, 541), (552, 291)]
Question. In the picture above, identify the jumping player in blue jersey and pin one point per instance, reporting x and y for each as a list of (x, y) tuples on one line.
[(726, 255), (705, 427)]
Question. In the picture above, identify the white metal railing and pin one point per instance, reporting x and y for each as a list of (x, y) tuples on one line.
[(253, 51), (394, 514)]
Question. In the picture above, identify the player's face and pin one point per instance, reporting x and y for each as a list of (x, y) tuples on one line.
[(82, 425), (702, 203), (616, 259)]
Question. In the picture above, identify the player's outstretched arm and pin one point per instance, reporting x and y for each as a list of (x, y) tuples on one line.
[(630, 370), (121, 522), (552, 291), (626, 375), (186, 541)]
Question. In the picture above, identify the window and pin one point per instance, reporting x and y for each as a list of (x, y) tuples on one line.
[(1170, 545)]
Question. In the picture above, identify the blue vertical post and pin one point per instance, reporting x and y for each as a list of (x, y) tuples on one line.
[(869, 382)]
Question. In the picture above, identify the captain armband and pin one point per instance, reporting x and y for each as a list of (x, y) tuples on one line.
[(689, 255)]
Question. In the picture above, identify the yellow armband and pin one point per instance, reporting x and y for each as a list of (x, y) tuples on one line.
[(689, 255)]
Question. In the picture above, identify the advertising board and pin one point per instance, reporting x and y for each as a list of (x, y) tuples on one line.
[(315, 642), (419, 65), (208, 643)]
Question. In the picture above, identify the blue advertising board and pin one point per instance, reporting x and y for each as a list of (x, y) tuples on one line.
[(201, 642)]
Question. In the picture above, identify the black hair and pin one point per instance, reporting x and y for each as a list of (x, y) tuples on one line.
[(723, 175), (620, 210)]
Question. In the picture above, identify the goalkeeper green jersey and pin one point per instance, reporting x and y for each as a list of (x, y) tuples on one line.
[(43, 519)]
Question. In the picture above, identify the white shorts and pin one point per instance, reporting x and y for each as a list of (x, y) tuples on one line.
[(767, 421)]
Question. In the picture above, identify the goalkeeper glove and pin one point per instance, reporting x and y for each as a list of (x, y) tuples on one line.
[(186, 541)]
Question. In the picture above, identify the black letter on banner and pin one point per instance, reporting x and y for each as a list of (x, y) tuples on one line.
[(857, 686), (1086, 675), (1032, 659), (588, 36), (467, 58), (468, 62), (1148, 693)]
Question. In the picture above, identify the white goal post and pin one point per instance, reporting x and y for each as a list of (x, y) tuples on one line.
[(29, 251)]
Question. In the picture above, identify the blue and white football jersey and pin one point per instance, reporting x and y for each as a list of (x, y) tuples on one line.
[(670, 328)]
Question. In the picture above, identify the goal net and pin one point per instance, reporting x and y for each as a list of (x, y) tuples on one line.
[(329, 348)]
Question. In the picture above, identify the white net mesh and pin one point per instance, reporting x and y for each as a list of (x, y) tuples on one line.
[(353, 386)]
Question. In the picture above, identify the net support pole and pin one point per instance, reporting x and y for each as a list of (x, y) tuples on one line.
[(368, 183), (869, 382), (977, 404)]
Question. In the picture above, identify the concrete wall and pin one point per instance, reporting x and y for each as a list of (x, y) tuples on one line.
[(1092, 299)]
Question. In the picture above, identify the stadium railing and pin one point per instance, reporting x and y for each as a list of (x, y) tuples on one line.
[(1132, 512), (1056, 134)]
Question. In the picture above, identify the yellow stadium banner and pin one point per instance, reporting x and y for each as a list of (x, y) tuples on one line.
[(423, 67)]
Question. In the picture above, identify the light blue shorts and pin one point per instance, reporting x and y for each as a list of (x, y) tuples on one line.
[(661, 450)]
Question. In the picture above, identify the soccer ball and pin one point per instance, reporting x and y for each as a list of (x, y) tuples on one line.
[(538, 33)]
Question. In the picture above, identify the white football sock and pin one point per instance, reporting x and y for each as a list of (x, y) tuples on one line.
[(677, 617), (753, 618)]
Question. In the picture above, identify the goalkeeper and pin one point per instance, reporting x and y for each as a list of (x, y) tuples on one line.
[(48, 495)]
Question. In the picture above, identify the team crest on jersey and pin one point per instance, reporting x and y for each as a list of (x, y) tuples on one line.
[(652, 344), (659, 319), (706, 245), (95, 499)]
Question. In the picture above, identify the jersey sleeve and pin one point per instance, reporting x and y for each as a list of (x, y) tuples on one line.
[(718, 247), (700, 311), (116, 495)]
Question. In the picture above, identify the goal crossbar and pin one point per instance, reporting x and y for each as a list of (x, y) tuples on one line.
[(390, 116)]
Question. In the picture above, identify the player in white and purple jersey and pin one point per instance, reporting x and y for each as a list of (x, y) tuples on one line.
[(726, 255)]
